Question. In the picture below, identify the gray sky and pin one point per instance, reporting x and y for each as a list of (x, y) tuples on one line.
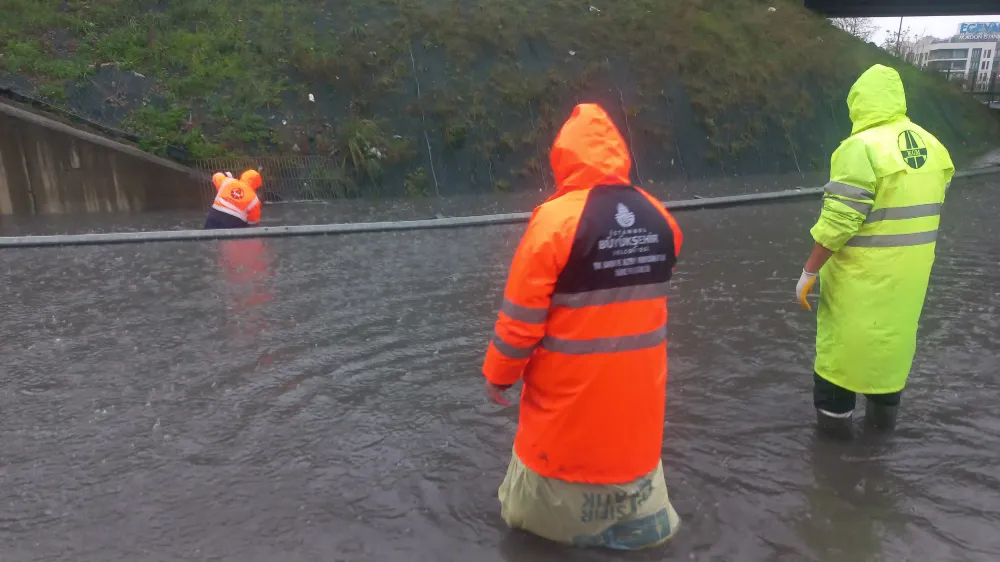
[(942, 27)]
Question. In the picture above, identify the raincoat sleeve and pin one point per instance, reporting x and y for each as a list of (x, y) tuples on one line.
[(539, 259), (218, 178), (253, 211), (848, 197)]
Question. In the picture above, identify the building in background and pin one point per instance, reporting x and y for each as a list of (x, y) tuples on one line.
[(970, 56)]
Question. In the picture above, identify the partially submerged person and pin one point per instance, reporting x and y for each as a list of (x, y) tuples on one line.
[(236, 204), (584, 324), (875, 242)]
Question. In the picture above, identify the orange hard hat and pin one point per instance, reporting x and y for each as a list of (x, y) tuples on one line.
[(252, 178)]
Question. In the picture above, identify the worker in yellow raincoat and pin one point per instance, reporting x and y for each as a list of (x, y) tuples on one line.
[(875, 241)]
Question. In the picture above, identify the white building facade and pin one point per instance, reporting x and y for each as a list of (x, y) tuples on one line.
[(970, 56)]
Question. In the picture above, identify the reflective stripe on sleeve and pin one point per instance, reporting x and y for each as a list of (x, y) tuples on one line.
[(610, 296), (606, 345), (845, 190), (524, 314), (893, 240), (512, 351), (862, 208)]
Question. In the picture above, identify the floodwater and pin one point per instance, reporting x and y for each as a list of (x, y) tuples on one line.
[(304, 399)]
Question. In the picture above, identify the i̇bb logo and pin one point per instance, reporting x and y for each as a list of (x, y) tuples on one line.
[(236, 193), (624, 217)]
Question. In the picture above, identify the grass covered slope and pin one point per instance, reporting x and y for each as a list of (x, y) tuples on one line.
[(459, 95)]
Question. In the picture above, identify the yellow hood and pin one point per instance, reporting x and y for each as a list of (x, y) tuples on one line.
[(876, 98)]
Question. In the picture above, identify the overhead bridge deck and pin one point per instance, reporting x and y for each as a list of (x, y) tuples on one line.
[(900, 8)]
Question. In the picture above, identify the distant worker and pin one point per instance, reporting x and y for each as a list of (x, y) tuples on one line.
[(875, 242), (236, 204), (584, 324)]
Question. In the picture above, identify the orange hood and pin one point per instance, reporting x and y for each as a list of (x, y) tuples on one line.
[(251, 178), (589, 151)]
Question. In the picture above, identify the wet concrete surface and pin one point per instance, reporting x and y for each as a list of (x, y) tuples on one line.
[(305, 399)]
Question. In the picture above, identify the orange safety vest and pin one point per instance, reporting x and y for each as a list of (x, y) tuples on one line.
[(584, 317), (237, 198)]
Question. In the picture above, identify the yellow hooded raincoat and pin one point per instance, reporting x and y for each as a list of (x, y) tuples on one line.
[(880, 216)]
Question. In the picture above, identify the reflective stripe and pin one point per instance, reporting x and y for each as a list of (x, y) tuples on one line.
[(893, 240), (606, 345), (511, 351), (221, 204), (845, 415), (897, 213), (610, 296), (227, 204), (229, 209), (837, 188), (862, 208), (524, 313)]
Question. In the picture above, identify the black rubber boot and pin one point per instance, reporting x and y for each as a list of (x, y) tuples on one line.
[(880, 416), (834, 427)]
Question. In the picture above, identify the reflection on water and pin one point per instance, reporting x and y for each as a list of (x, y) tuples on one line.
[(244, 265), (319, 399)]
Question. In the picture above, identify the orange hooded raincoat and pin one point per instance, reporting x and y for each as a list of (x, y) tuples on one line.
[(236, 203), (584, 316)]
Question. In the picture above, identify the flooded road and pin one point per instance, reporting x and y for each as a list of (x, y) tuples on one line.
[(305, 399)]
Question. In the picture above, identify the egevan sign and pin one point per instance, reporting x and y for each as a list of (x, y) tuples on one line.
[(981, 30)]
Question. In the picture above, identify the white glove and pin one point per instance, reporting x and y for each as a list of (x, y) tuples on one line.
[(804, 287), (230, 174)]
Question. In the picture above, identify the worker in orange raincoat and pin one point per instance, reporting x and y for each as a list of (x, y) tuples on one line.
[(236, 204), (584, 324)]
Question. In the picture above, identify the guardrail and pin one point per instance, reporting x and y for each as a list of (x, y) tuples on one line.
[(388, 226)]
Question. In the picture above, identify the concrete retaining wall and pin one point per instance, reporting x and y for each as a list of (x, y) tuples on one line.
[(47, 167)]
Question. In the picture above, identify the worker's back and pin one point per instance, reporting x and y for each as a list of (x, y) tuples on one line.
[(593, 401), (585, 314)]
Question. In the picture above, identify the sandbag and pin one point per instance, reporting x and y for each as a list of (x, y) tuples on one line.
[(617, 516)]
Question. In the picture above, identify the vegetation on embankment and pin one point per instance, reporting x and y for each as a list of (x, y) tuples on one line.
[(419, 96)]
